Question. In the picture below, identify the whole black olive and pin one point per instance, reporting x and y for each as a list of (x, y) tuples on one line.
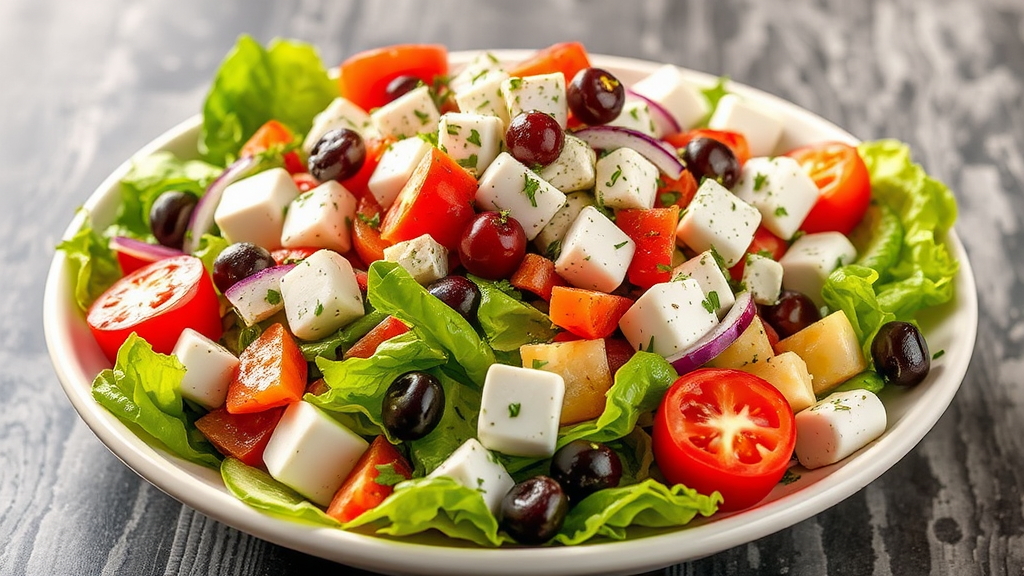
[(534, 510), (413, 405), (901, 354)]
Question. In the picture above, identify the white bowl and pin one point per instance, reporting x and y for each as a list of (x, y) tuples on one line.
[(911, 414)]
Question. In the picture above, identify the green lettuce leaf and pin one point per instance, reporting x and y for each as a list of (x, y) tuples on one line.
[(259, 490), (92, 263), (210, 247), (144, 391), (343, 338), (508, 323), (852, 290), (285, 82)]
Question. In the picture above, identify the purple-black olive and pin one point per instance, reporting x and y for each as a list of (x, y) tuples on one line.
[(534, 510), (901, 354), (169, 216), (239, 261), (792, 313), (582, 467), (338, 155), (458, 293), (709, 158), (413, 405)]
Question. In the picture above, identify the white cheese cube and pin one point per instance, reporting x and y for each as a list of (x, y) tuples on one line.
[(410, 114), (312, 453), (838, 426), (253, 209), (209, 369), (705, 270), (321, 295), (483, 95), (320, 218), (763, 277), (340, 113), (811, 258), (472, 140), (480, 66), (422, 257), (395, 168), (667, 87), (625, 179), (668, 318), (508, 184), (595, 252), (574, 168), (760, 126), (636, 115), (544, 93), (717, 219), (519, 411), (474, 467), (549, 241), (780, 190)]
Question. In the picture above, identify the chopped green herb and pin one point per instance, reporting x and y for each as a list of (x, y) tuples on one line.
[(453, 129), (664, 268), (711, 303), (621, 244), (789, 477), (423, 116), (513, 409), (319, 308), (554, 250), (759, 181), (273, 297), (938, 354), (635, 113), (479, 75), (781, 211), (373, 222), (538, 363), (615, 176), (387, 476), (669, 198), (468, 162), (530, 187), (429, 138), (248, 335), (515, 83), (474, 137)]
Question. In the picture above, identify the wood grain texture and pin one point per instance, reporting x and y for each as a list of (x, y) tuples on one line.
[(87, 83)]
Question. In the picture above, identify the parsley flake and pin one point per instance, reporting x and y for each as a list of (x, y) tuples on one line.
[(621, 244), (615, 176), (759, 181), (468, 162), (938, 354), (474, 137), (664, 268), (530, 187), (273, 297), (711, 303), (513, 409), (423, 116), (453, 129), (319, 308), (373, 222), (538, 364), (781, 211), (387, 475)]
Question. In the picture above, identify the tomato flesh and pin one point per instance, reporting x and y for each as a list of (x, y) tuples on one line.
[(270, 135), (241, 436), (587, 313), (844, 186), (271, 372), (653, 232), (565, 57), (360, 491), (724, 430), (365, 76)]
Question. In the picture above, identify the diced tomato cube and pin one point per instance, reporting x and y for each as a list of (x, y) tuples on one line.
[(587, 313), (367, 345), (536, 274), (677, 191), (271, 373), (360, 491), (654, 233), (241, 436)]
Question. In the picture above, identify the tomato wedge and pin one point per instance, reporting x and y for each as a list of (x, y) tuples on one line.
[(365, 76), (360, 491), (565, 57), (157, 302), (368, 344), (724, 430), (366, 240), (843, 183)]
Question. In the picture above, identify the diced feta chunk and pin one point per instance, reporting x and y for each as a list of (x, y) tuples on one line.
[(519, 411), (549, 241), (209, 368), (483, 95), (838, 426), (312, 453), (667, 87), (763, 277), (544, 93), (252, 209), (717, 219), (474, 467), (422, 257), (508, 184), (574, 168), (780, 190), (480, 66), (410, 114), (321, 295), (705, 270), (625, 179), (668, 318), (636, 115), (473, 140), (760, 126), (320, 218), (340, 113), (595, 252), (811, 258), (395, 168)]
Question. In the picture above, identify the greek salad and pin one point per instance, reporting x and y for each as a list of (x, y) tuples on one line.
[(513, 302)]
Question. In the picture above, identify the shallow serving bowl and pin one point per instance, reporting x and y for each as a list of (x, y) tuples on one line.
[(911, 414)]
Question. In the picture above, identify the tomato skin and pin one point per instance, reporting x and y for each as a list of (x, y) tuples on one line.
[(844, 186), (158, 302), (305, 181), (677, 192), (654, 233), (686, 435), (365, 76), (367, 345), (241, 436), (536, 274), (366, 240), (271, 372), (734, 140), (271, 134), (587, 313), (764, 241), (565, 57), (360, 492)]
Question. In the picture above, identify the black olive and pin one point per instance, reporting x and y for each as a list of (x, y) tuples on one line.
[(901, 354), (413, 405), (583, 467), (534, 510)]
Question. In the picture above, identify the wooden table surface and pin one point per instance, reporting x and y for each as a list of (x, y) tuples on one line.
[(84, 84)]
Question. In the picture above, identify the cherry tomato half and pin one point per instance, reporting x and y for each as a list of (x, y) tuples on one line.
[(724, 430), (843, 183), (157, 302)]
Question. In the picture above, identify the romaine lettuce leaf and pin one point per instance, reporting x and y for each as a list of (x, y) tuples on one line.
[(259, 490), (210, 247), (508, 323), (344, 337), (92, 263)]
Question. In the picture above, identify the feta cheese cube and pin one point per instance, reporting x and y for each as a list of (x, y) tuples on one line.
[(480, 66), (668, 318), (340, 113), (474, 467), (422, 257), (780, 190), (761, 127), (410, 114), (209, 369), (321, 295), (838, 426), (595, 252), (312, 453), (811, 258), (543, 92), (636, 115), (667, 87), (473, 140), (549, 241), (709, 276), (395, 168), (717, 219), (519, 411), (625, 179), (483, 95), (320, 218), (253, 209), (508, 184), (763, 277), (574, 168)]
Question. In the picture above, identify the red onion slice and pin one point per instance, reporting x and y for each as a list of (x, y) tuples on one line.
[(612, 137), (258, 297), (142, 251), (664, 122), (724, 334), (202, 217)]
